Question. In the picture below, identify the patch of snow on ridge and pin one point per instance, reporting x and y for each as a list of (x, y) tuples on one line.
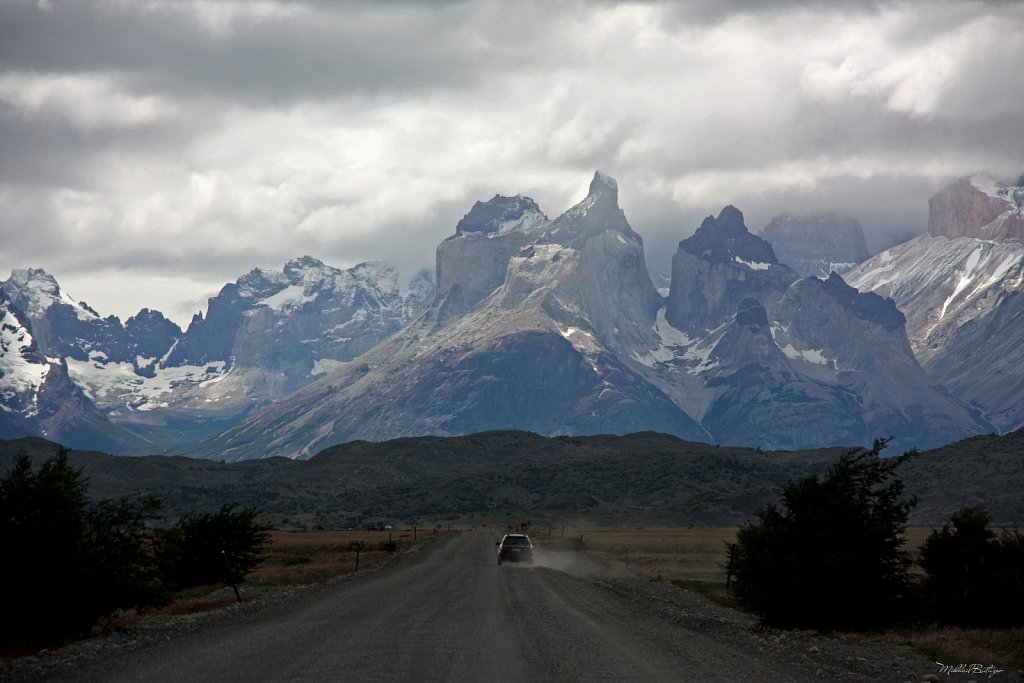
[(816, 356), (1000, 190), (292, 296), (324, 366), (584, 343), (673, 343), (753, 265), (964, 281)]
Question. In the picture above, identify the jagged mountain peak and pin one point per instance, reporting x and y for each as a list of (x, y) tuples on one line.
[(598, 212), (865, 305), (500, 215), (604, 185), (303, 264), (726, 239), (34, 290)]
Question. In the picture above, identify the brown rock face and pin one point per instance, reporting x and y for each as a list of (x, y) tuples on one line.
[(963, 210)]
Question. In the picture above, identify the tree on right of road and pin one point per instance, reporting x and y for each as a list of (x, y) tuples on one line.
[(974, 577), (831, 556)]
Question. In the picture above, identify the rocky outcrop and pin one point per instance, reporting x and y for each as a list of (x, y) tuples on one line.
[(762, 357), (718, 267), (977, 207), (471, 264), (817, 244)]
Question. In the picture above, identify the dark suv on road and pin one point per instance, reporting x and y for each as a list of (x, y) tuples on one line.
[(515, 548)]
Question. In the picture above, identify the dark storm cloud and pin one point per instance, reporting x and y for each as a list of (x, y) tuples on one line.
[(302, 51)]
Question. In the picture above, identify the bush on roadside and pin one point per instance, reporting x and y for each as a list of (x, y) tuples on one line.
[(212, 547), (831, 557)]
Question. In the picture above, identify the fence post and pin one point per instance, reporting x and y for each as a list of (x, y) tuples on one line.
[(359, 546)]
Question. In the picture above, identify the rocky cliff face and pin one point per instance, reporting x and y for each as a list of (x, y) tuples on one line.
[(718, 267), (575, 339), (817, 244), (979, 207), (471, 263)]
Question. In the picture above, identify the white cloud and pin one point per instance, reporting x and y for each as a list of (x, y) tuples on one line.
[(86, 101), (196, 140)]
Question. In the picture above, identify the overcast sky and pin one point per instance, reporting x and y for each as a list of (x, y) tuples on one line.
[(153, 150)]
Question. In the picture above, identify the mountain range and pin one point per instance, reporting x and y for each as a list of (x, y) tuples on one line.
[(554, 326), (262, 337)]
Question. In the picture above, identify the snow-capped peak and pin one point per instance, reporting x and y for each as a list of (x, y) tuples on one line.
[(34, 291), (501, 215)]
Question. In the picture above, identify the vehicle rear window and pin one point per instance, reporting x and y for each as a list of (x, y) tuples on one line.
[(517, 540)]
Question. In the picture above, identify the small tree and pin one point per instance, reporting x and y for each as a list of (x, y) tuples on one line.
[(831, 556), (194, 551), (974, 578)]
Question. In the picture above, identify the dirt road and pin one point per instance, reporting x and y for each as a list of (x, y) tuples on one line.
[(448, 613)]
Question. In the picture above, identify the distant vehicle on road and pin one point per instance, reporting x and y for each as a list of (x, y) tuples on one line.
[(515, 548)]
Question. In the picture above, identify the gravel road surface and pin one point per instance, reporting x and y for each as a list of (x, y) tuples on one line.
[(448, 612)]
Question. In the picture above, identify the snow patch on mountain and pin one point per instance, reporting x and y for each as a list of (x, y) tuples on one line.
[(19, 376), (108, 383), (753, 265), (677, 348)]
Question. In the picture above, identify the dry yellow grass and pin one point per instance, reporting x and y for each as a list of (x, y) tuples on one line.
[(295, 557), (661, 554), (674, 553)]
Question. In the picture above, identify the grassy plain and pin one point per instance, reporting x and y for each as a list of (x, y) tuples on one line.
[(695, 558), (296, 557)]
